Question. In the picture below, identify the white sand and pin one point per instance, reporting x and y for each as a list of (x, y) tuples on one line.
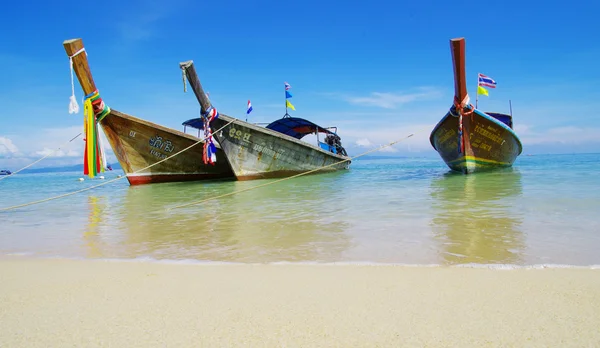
[(65, 303)]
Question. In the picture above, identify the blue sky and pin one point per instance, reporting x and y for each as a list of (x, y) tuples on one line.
[(378, 70)]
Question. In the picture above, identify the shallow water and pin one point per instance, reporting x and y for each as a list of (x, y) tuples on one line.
[(544, 210)]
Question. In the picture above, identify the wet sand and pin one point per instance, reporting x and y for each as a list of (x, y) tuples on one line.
[(60, 303)]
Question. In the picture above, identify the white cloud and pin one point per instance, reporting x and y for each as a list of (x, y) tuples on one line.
[(522, 129), (7, 147), (364, 142), (562, 135), (57, 153), (356, 138), (389, 149), (143, 19), (391, 100), (418, 142), (54, 142), (141, 29)]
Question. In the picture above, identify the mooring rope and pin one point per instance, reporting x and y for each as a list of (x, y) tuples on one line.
[(109, 181), (290, 177), (51, 153)]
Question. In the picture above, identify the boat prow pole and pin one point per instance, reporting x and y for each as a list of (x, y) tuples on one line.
[(457, 46), (76, 51), (192, 76)]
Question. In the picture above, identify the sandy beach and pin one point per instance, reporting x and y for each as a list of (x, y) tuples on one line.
[(60, 303)]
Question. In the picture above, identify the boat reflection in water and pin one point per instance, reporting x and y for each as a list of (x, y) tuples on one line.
[(92, 235), (474, 219), (293, 220)]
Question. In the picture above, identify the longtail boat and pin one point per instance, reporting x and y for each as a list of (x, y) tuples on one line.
[(257, 152), (138, 143), (468, 139)]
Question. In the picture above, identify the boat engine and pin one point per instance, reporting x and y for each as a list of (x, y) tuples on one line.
[(335, 141)]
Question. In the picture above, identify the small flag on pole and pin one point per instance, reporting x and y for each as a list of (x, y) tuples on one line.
[(287, 86), (289, 105), (486, 81), (482, 91), (288, 94), (249, 108)]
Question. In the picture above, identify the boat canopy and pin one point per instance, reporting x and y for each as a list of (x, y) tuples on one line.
[(504, 118), (197, 123), (292, 126), (296, 127)]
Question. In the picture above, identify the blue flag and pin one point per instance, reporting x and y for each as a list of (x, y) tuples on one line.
[(288, 94)]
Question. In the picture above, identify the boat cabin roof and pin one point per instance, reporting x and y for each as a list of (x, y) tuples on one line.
[(197, 123), (504, 118), (296, 127), (292, 126)]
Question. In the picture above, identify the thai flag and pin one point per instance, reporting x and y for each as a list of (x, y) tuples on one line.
[(287, 86), (249, 107), (486, 81)]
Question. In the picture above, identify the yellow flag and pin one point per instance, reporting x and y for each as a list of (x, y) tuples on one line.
[(289, 105), (481, 90)]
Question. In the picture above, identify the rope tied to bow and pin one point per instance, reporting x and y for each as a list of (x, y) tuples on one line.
[(99, 108), (460, 107)]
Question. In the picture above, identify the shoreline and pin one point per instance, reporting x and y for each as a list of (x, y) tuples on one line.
[(64, 302), (192, 262)]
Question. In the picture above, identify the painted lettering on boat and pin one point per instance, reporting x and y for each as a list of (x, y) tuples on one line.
[(132, 133), (482, 146), (447, 135), (486, 133), (266, 151), (158, 154), (479, 143), (158, 143), (238, 134), (162, 144)]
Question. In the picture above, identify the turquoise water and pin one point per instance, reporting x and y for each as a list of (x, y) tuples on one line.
[(544, 210)]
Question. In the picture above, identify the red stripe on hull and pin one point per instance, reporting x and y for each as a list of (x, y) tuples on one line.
[(162, 178)]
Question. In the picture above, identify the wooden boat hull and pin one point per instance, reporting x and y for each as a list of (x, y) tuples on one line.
[(256, 153), (138, 144), (487, 143)]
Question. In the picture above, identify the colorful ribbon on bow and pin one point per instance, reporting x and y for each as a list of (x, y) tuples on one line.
[(94, 110)]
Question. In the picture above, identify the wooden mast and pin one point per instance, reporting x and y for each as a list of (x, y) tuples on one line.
[(457, 46), (192, 76), (80, 65)]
